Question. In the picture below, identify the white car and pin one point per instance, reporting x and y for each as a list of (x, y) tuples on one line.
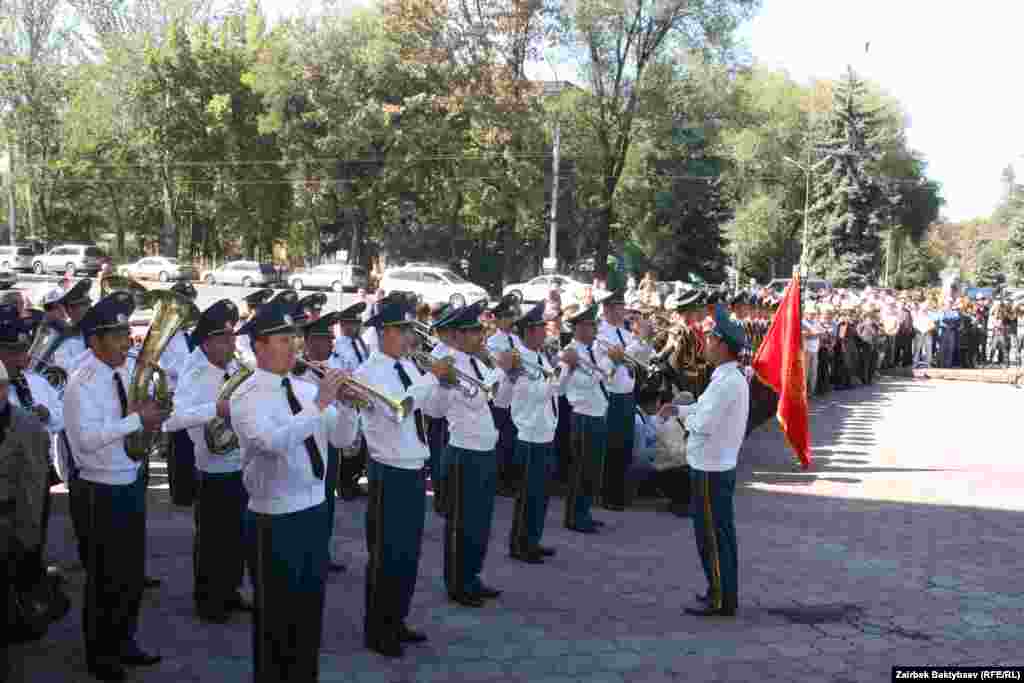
[(337, 277), (532, 291), (432, 285), (245, 273), (158, 268)]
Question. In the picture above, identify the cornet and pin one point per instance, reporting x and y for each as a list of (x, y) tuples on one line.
[(467, 384), (367, 397)]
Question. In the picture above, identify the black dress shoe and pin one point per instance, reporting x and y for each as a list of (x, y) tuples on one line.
[(488, 592), (388, 648), (213, 615), (467, 600), (107, 672), (614, 507), (133, 655), (583, 529), (236, 603), (704, 598), (408, 635), (597, 522), (150, 582), (336, 566), (530, 556), (709, 611), (545, 551)]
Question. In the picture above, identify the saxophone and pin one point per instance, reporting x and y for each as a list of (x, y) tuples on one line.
[(220, 437)]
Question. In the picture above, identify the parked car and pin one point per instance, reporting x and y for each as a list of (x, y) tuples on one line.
[(245, 273), (811, 284), (159, 268), (339, 277), (532, 291), (431, 285), (79, 258), (16, 257)]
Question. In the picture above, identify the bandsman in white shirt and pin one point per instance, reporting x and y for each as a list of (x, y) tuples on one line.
[(504, 340), (109, 487), (535, 413), (587, 393), (470, 485), (284, 426), (437, 428), (252, 302), (312, 305), (319, 340), (396, 509), (218, 551), (349, 353), (618, 342), (32, 392), (76, 303), (716, 426), (181, 459)]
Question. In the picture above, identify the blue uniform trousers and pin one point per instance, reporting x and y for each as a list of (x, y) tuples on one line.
[(218, 549), (504, 450), (531, 507), (289, 568), (470, 487), (589, 440), (621, 424), (114, 526), (437, 442), (331, 488), (182, 476), (563, 439), (395, 515), (715, 531)]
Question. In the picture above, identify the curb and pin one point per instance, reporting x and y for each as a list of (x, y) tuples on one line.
[(1008, 376)]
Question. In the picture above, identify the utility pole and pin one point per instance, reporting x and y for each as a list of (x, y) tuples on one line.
[(807, 208), (553, 238), (12, 206)]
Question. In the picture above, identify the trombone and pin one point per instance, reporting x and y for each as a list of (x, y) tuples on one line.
[(633, 363), (535, 371), (367, 397), (467, 384)]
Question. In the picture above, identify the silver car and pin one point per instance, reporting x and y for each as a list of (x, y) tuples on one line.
[(245, 273), (16, 258), (159, 268), (74, 257), (339, 277)]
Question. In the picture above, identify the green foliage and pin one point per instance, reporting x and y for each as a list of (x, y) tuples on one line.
[(990, 269), (922, 264)]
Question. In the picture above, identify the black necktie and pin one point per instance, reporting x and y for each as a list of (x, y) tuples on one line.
[(123, 397), (511, 344), (623, 342), (600, 383), (355, 347), (315, 459), (21, 388), (476, 369), (554, 403), (403, 376)]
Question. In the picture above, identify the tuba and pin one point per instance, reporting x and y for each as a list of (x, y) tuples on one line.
[(171, 312), (45, 342), (220, 437)]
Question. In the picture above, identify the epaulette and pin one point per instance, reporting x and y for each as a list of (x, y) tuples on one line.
[(244, 388)]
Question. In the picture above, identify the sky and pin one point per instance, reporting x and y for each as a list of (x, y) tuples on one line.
[(953, 66)]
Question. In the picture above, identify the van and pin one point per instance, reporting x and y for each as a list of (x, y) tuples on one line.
[(16, 257)]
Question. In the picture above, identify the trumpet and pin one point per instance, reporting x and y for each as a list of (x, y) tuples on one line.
[(467, 384), (633, 363), (366, 397)]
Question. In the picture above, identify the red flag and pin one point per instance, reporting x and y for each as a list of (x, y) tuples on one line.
[(780, 364)]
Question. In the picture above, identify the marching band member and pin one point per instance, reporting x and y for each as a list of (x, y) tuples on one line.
[(504, 340), (470, 485), (284, 427), (437, 428), (98, 417), (350, 352), (319, 336), (621, 405), (311, 305), (32, 393), (716, 425), (218, 551), (181, 459), (535, 413), (395, 512), (53, 309), (252, 301), (588, 395), (76, 302)]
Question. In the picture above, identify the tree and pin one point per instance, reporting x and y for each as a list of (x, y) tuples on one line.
[(991, 264), (921, 267), (618, 43), (849, 207)]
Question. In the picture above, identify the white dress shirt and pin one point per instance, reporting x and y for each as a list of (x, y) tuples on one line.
[(397, 443), (243, 345), (535, 402), (276, 468), (345, 354), (94, 426), (71, 353), (44, 394), (195, 404), (369, 338), (583, 390), (501, 342), (470, 424), (622, 382), (717, 422), (172, 360)]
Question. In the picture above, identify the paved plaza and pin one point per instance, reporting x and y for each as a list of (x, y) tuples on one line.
[(902, 546)]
